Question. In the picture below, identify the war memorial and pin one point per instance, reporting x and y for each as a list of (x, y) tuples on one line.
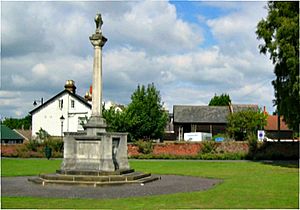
[(94, 156)]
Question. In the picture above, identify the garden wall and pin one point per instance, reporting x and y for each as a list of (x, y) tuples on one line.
[(214, 150), (188, 148)]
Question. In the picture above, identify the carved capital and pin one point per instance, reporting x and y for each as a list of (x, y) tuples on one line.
[(98, 40)]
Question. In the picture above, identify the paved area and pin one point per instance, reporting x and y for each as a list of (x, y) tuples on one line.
[(168, 184)]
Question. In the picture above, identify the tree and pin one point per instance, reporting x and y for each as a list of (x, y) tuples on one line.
[(145, 114), (222, 100), (280, 33), (14, 123), (116, 120), (245, 123)]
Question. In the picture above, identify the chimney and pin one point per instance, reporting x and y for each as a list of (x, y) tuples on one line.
[(265, 111), (70, 86)]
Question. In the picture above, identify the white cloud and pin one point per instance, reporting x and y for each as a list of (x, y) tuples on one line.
[(147, 42), (155, 27), (39, 70)]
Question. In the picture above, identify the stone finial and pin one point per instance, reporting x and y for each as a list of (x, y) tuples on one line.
[(99, 22)]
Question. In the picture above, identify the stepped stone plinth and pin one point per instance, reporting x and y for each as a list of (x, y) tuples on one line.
[(94, 178)]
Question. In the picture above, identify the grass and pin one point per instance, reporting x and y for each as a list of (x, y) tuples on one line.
[(246, 185)]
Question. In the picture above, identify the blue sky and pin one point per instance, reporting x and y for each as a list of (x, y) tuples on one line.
[(189, 50)]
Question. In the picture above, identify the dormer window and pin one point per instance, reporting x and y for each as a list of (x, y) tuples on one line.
[(60, 104)]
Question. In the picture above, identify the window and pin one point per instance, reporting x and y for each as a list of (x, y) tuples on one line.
[(61, 104), (72, 104)]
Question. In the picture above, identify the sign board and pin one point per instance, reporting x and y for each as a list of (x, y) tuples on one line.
[(219, 139), (197, 136), (260, 135)]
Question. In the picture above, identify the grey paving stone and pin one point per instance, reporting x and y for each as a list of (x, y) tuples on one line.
[(168, 184)]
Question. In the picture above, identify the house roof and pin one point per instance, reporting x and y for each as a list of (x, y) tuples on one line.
[(78, 97), (26, 134), (206, 114), (272, 125), (9, 134)]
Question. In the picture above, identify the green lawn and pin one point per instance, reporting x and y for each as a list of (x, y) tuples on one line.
[(246, 185)]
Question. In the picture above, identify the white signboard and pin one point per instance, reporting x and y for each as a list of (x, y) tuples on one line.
[(260, 135), (197, 136)]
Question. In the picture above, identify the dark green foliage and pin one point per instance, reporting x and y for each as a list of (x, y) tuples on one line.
[(276, 151), (280, 33), (144, 147), (145, 115), (116, 120), (222, 100), (144, 118), (244, 123), (252, 141), (14, 123), (33, 145)]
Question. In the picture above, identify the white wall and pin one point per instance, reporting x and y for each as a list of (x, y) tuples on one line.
[(48, 118)]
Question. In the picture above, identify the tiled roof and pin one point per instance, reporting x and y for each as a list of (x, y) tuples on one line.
[(26, 134), (206, 114), (272, 121), (200, 114), (9, 134)]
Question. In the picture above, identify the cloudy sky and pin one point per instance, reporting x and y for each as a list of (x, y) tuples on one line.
[(189, 50)]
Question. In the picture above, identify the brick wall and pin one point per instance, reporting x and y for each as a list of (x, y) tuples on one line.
[(190, 148)]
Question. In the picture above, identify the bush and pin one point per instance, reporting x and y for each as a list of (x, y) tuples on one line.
[(277, 151), (33, 149), (33, 145), (144, 147), (252, 141), (207, 156), (55, 144), (208, 147)]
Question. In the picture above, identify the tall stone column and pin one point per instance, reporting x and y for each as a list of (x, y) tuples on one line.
[(98, 42), (96, 123)]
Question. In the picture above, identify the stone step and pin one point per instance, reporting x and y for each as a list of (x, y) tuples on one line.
[(129, 178), (137, 175), (39, 180), (149, 179), (94, 173)]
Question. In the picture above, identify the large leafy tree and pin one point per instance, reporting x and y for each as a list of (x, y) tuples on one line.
[(145, 114), (116, 120), (245, 123), (280, 33), (222, 100)]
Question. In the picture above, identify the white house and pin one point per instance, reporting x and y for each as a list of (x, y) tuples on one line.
[(67, 104)]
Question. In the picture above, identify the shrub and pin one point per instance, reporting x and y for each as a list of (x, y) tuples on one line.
[(208, 147), (144, 147), (277, 151), (32, 145), (54, 143), (207, 156), (252, 141)]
